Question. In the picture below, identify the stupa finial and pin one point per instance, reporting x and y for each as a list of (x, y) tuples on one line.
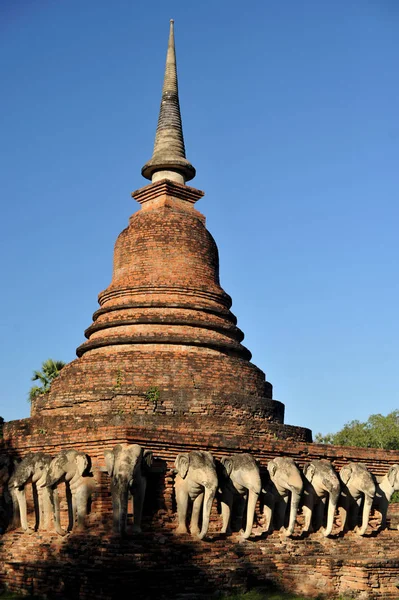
[(169, 156)]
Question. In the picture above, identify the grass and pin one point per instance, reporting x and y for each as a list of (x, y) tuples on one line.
[(252, 595), (269, 595)]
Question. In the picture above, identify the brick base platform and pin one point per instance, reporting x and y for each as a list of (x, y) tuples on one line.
[(159, 564), (164, 566)]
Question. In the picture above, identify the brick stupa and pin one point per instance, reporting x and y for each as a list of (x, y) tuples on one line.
[(164, 367), (164, 341)]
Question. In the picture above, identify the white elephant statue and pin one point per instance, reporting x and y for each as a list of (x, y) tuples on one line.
[(126, 465), (386, 485), (239, 481), (71, 467), (321, 487), (285, 485), (196, 481), (357, 486), (32, 469)]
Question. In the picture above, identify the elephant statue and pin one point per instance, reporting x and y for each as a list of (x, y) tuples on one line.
[(357, 485), (321, 482), (385, 487), (32, 469), (70, 466), (126, 465), (285, 484), (8, 501), (197, 481), (240, 480)]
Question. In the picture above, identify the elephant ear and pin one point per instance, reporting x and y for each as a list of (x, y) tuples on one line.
[(109, 461), (309, 471), (228, 464), (182, 463), (271, 467), (345, 473), (147, 459), (81, 464), (392, 474)]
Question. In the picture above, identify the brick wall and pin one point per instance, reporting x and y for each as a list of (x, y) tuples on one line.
[(81, 563)]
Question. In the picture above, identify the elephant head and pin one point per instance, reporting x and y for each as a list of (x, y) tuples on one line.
[(322, 482), (385, 487), (393, 479), (286, 483), (241, 477), (196, 480), (32, 469), (357, 484), (126, 465), (69, 466)]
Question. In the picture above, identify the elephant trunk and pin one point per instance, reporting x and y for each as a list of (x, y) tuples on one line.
[(332, 506), (207, 506), (120, 494), (295, 498), (252, 500)]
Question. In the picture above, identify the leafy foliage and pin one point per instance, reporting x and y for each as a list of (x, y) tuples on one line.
[(378, 431), (50, 370)]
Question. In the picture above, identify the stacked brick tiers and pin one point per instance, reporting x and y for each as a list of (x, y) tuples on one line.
[(164, 330)]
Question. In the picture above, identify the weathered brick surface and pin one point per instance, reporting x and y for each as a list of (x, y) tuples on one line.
[(88, 565), (164, 566), (165, 322)]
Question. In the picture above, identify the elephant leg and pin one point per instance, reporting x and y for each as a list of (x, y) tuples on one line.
[(268, 510), (354, 513), (71, 500), (182, 506), (280, 512), (195, 514), (36, 507), (239, 504), (21, 499), (318, 520), (368, 501), (12, 509), (383, 509), (251, 504), (138, 502), (226, 502), (55, 501), (307, 510), (344, 512)]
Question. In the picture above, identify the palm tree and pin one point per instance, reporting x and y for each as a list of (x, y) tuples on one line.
[(50, 370)]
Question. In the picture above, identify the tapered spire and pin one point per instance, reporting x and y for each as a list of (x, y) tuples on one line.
[(169, 156)]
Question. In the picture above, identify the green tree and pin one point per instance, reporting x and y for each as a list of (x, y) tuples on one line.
[(378, 431), (50, 370)]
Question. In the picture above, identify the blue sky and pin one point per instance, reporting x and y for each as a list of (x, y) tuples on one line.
[(290, 115)]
